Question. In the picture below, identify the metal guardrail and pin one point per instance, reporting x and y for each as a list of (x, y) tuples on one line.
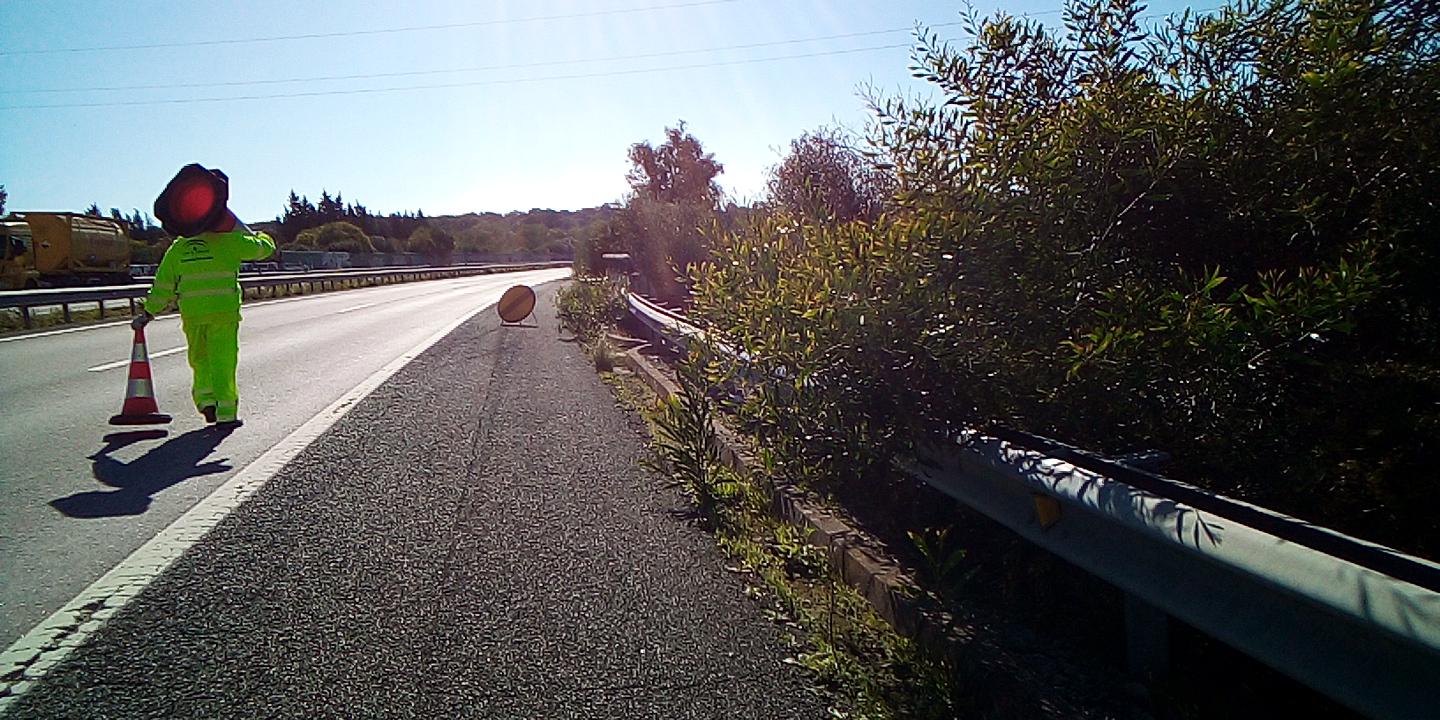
[(25, 300), (1356, 621)]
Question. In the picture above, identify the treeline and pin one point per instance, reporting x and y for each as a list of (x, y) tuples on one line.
[(335, 225), (1213, 236)]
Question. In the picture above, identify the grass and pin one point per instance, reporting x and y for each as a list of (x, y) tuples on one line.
[(855, 657), (871, 670)]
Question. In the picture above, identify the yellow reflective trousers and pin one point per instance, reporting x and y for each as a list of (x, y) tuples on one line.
[(214, 352)]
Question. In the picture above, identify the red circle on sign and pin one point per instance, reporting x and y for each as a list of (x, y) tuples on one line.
[(193, 202), (516, 304)]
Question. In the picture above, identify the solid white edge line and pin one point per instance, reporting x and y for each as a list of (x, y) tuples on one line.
[(28, 659), (123, 363)]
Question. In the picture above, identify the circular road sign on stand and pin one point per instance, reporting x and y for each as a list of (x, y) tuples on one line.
[(516, 304)]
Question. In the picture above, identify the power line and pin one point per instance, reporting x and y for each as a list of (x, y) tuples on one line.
[(479, 68), (513, 66), (378, 31), (438, 86)]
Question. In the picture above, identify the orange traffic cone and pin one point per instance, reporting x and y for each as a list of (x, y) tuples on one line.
[(140, 407)]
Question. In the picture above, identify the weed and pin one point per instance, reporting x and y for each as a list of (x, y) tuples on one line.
[(603, 353), (686, 444), (793, 547), (849, 649), (942, 561)]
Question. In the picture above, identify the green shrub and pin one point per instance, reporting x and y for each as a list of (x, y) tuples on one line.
[(589, 307), (1215, 237), (336, 237)]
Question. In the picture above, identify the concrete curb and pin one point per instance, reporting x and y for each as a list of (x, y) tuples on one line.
[(881, 581), (1002, 684)]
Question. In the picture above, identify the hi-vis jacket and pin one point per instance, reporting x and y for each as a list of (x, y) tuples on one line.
[(203, 272)]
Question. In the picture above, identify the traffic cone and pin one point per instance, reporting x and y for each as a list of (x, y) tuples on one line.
[(140, 407)]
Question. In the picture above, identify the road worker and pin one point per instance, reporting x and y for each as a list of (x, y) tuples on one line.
[(201, 272)]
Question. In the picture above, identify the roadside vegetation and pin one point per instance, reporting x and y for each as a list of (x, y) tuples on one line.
[(1210, 234), (851, 652), (591, 306), (1213, 236)]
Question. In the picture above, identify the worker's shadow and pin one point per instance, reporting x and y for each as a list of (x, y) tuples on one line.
[(179, 459)]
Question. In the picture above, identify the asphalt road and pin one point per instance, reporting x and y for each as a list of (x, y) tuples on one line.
[(66, 518), (473, 539)]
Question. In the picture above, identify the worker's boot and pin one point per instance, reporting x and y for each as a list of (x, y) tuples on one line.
[(209, 412)]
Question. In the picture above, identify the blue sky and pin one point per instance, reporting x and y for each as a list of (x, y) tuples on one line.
[(548, 128)]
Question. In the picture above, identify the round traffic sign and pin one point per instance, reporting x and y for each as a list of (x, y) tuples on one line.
[(516, 304)]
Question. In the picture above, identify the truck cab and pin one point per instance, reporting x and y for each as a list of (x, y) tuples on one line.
[(17, 257)]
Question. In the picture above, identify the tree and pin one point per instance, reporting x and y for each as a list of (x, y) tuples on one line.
[(384, 244), (94, 210), (432, 242), (336, 237), (299, 215), (533, 236), (825, 179), (3, 197), (672, 205), (678, 171), (328, 208)]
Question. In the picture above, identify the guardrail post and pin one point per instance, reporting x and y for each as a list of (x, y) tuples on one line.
[(132, 305), (25, 316), (1147, 639), (102, 309), (65, 311)]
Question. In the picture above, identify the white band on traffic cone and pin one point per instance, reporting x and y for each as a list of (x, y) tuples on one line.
[(139, 387)]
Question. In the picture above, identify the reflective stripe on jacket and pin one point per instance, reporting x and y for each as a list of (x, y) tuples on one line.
[(203, 272)]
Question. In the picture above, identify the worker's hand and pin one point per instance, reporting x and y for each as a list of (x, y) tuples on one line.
[(141, 320)]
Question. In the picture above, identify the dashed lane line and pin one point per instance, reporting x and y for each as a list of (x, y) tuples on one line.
[(357, 307), (123, 363)]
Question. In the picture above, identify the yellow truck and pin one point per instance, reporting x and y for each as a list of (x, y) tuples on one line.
[(55, 249)]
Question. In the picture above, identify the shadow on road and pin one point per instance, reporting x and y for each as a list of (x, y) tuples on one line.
[(177, 460)]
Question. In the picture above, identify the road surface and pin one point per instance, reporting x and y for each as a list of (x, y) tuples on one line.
[(475, 538), (61, 527)]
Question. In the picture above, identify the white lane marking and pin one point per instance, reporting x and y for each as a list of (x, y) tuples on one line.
[(123, 363), (30, 658), (357, 307)]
